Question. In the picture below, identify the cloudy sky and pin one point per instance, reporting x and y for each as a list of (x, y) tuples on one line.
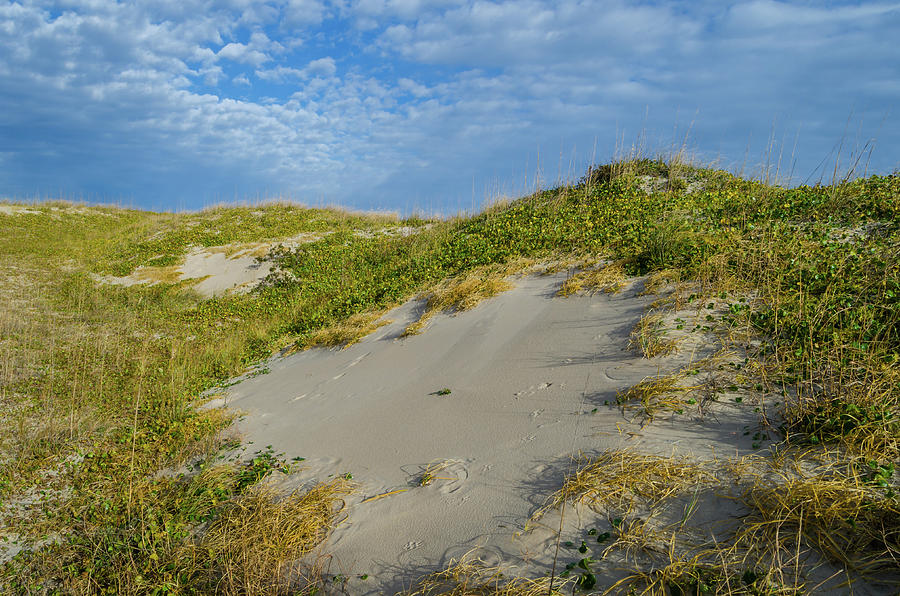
[(433, 105)]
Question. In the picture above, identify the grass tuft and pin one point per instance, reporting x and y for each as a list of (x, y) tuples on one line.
[(847, 517), (618, 479), (347, 332), (609, 279), (474, 579), (256, 545), (696, 575), (660, 393), (463, 292), (648, 335)]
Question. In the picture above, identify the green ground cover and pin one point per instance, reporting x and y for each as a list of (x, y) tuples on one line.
[(98, 382)]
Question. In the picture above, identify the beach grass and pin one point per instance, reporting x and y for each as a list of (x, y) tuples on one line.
[(98, 383)]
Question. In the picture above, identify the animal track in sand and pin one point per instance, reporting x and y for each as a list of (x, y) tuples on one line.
[(532, 390)]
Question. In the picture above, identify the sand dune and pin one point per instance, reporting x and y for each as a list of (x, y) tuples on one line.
[(529, 376)]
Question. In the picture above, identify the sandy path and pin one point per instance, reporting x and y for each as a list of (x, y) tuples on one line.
[(526, 370)]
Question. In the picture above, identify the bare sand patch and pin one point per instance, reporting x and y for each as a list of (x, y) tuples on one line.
[(459, 435), (217, 270), (17, 210)]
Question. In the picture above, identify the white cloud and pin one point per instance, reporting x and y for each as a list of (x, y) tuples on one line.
[(768, 14), (110, 93), (242, 53), (279, 74), (413, 87), (304, 12), (322, 67)]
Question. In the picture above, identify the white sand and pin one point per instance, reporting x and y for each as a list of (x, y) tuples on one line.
[(233, 268), (219, 273), (526, 369), (17, 210)]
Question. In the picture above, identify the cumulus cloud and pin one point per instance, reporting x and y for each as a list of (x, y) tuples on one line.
[(383, 103), (242, 53), (324, 67), (304, 12), (321, 67)]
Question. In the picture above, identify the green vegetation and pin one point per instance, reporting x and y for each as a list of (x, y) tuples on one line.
[(98, 383)]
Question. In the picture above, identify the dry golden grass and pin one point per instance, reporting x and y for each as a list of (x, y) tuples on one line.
[(431, 473), (649, 337), (617, 479), (348, 332), (843, 515), (660, 280), (702, 574), (557, 262), (471, 579), (164, 275), (639, 538), (655, 394), (256, 545), (609, 279), (466, 291)]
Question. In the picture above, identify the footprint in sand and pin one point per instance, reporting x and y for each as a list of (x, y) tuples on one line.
[(531, 390), (539, 470)]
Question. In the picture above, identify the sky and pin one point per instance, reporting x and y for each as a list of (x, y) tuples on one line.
[(431, 106)]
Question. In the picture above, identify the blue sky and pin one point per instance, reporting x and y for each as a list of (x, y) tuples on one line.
[(428, 105)]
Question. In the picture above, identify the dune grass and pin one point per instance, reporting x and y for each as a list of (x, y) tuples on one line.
[(461, 292), (609, 278), (348, 332), (97, 383), (474, 579), (846, 516), (256, 544), (619, 480), (648, 336)]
